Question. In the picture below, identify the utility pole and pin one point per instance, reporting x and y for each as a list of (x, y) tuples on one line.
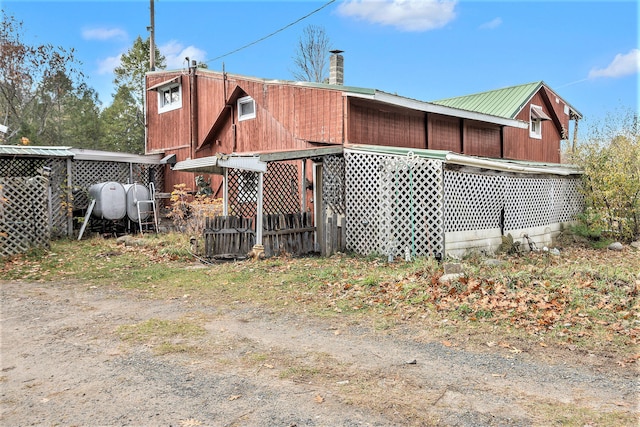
[(152, 43)]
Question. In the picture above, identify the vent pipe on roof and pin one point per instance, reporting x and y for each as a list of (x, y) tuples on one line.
[(336, 68)]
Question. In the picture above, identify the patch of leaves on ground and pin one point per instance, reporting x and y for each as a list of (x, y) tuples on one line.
[(583, 297), (578, 297)]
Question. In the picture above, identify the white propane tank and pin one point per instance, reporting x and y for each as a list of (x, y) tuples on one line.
[(135, 193), (111, 200)]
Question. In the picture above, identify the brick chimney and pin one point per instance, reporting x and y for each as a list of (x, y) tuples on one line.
[(336, 68)]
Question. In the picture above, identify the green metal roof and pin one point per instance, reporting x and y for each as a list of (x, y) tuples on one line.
[(32, 150), (506, 102)]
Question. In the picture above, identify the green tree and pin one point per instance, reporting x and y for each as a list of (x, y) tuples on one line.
[(35, 82), (121, 124), (123, 121), (610, 158), (83, 123), (133, 67)]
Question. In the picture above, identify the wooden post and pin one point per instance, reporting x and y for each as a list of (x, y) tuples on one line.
[(319, 216), (327, 237), (334, 234), (258, 248), (225, 192), (69, 198), (343, 234), (303, 187)]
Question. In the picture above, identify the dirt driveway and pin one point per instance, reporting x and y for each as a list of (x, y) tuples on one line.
[(64, 362)]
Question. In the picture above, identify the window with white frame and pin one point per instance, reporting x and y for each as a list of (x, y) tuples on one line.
[(169, 97), (246, 108), (537, 116)]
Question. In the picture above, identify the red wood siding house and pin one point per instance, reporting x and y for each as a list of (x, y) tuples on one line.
[(276, 146), (194, 114)]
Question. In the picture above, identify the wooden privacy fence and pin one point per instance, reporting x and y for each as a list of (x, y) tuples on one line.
[(334, 234), (233, 236), (228, 237)]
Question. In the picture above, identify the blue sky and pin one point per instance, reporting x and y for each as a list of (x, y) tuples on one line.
[(587, 51)]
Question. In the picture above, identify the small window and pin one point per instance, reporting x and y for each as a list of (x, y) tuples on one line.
[(537, 116), (246, 108), (169, 98), (536, 128)]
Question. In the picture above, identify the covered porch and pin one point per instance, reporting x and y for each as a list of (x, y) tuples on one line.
[(271, 202)]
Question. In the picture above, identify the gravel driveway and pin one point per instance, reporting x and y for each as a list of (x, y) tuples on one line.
[(65, 364)]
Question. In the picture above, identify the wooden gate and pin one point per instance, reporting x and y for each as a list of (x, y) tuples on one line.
[(232, 237)]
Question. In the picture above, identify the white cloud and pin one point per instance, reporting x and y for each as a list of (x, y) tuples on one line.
[(107, 65), (622, 65), (406, 15), (175, 54), (104, 34), (494, 23)]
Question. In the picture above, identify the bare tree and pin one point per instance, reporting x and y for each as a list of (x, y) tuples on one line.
[(311, 55)]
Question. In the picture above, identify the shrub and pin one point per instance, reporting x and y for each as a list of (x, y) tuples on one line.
[(190, 212)]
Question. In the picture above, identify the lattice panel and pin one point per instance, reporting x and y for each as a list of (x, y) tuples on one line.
[(362, 176), (475, 202), (281, 189), (333, 184), (472, 201), (85, 173), (144, 174), (568, 199), (61, 200), (10, 167), (534, 202), (280, 193), (24, 214), (394, 205), (412, 207)]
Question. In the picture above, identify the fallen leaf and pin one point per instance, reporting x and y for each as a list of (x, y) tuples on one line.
[(268, 366), (190, 422), (447, 343), (319, 399), (235, 397)]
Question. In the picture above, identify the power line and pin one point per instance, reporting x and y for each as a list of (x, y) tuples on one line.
[(272, 34)]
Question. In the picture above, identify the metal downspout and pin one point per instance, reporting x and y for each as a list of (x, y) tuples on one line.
[(193, 99)]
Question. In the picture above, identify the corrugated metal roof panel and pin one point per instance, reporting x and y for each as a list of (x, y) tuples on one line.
[(506, 102), (26, 150)]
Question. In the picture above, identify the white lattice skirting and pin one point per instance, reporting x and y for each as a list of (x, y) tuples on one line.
[(406, 205)]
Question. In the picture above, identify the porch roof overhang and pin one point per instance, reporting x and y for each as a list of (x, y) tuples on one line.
[(114, 156), (255, 162), (164, 83), (538, 113), (217, 164), (35, 151), (502, 165)]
